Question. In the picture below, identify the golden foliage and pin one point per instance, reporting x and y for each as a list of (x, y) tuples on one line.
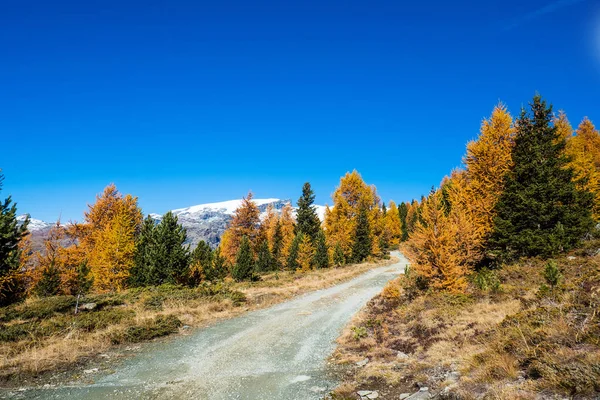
[(563, 126), (348, 198), (306, 253), (488, 159), (584, 150), (57, 255), (287, 226), (393, 227), (451, 226), (106, 238), (432, 245), (245, 222), (111, 265)]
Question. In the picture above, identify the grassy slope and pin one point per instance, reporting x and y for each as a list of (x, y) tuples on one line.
[(521, 342), (43, 335)]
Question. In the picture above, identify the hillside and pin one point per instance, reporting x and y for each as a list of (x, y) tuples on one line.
[(513, 336)]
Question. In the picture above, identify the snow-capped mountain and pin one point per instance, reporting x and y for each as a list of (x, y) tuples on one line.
[(203, 222), (208, 221), (35, 225)]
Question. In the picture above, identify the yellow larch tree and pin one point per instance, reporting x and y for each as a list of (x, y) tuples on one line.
[(56, 255), (348, 198), (110, 267), (306, 253), (393, 225), (245, 222), (106, 238), (488, 160), (584, 150), (432, 246), (268, 225), (563, 126), (287, 224), (412, 216)]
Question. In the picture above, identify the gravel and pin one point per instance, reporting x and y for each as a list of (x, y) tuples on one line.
[(275, 353)]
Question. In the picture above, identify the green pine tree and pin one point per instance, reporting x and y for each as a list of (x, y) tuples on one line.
[(321, 258), (307, 220), (11, 233), (403, 211), (203, 255), (167, 259), (49, 284), (83, 282), (264, 261), (540, 212), (244, 263), (338, 256), (292, 259), (277, 246), (219, 267), (361, 249), (145, 243)]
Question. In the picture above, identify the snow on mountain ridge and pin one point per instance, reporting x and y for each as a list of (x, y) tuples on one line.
[(226, 207), (34, 224)]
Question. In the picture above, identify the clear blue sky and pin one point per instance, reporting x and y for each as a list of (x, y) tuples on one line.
[(185, 102)]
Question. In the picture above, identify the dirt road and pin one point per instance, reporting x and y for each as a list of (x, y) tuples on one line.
[(275, 353)]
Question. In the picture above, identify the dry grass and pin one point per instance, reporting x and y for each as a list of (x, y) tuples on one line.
[(60, 343), (521, 342)]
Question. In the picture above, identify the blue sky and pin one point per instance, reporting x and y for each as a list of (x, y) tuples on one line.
[(181, 103)]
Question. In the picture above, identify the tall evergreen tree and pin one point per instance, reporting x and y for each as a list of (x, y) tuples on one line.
[(403, 212), (361, 248), (277, 246), (540, 211), (321, 258), (219, 265), (244, 263), (307, 220), (338, 256), (145, 243), (201, 264), (11, 233), (264, 260), (168, 259)]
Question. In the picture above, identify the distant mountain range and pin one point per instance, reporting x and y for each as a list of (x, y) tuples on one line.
[(203, 222)]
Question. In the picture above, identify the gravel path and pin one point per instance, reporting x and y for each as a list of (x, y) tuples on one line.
[(275, 353)]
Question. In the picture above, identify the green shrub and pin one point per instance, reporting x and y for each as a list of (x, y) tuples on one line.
[(39, 308), (91, 321), (153, 302), (150, 329), (359, 332), (14, 333), (552, 274), (486, 280)]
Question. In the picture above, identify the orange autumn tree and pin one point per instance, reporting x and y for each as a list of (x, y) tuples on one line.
[(584, 150), (434, 243), (245, 222), (268, 226), (563, 126), (287, 226), (452, 225), (488, 160), (111, 265), (340, 221), (393, 225), (306, 253), (106, 238)]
